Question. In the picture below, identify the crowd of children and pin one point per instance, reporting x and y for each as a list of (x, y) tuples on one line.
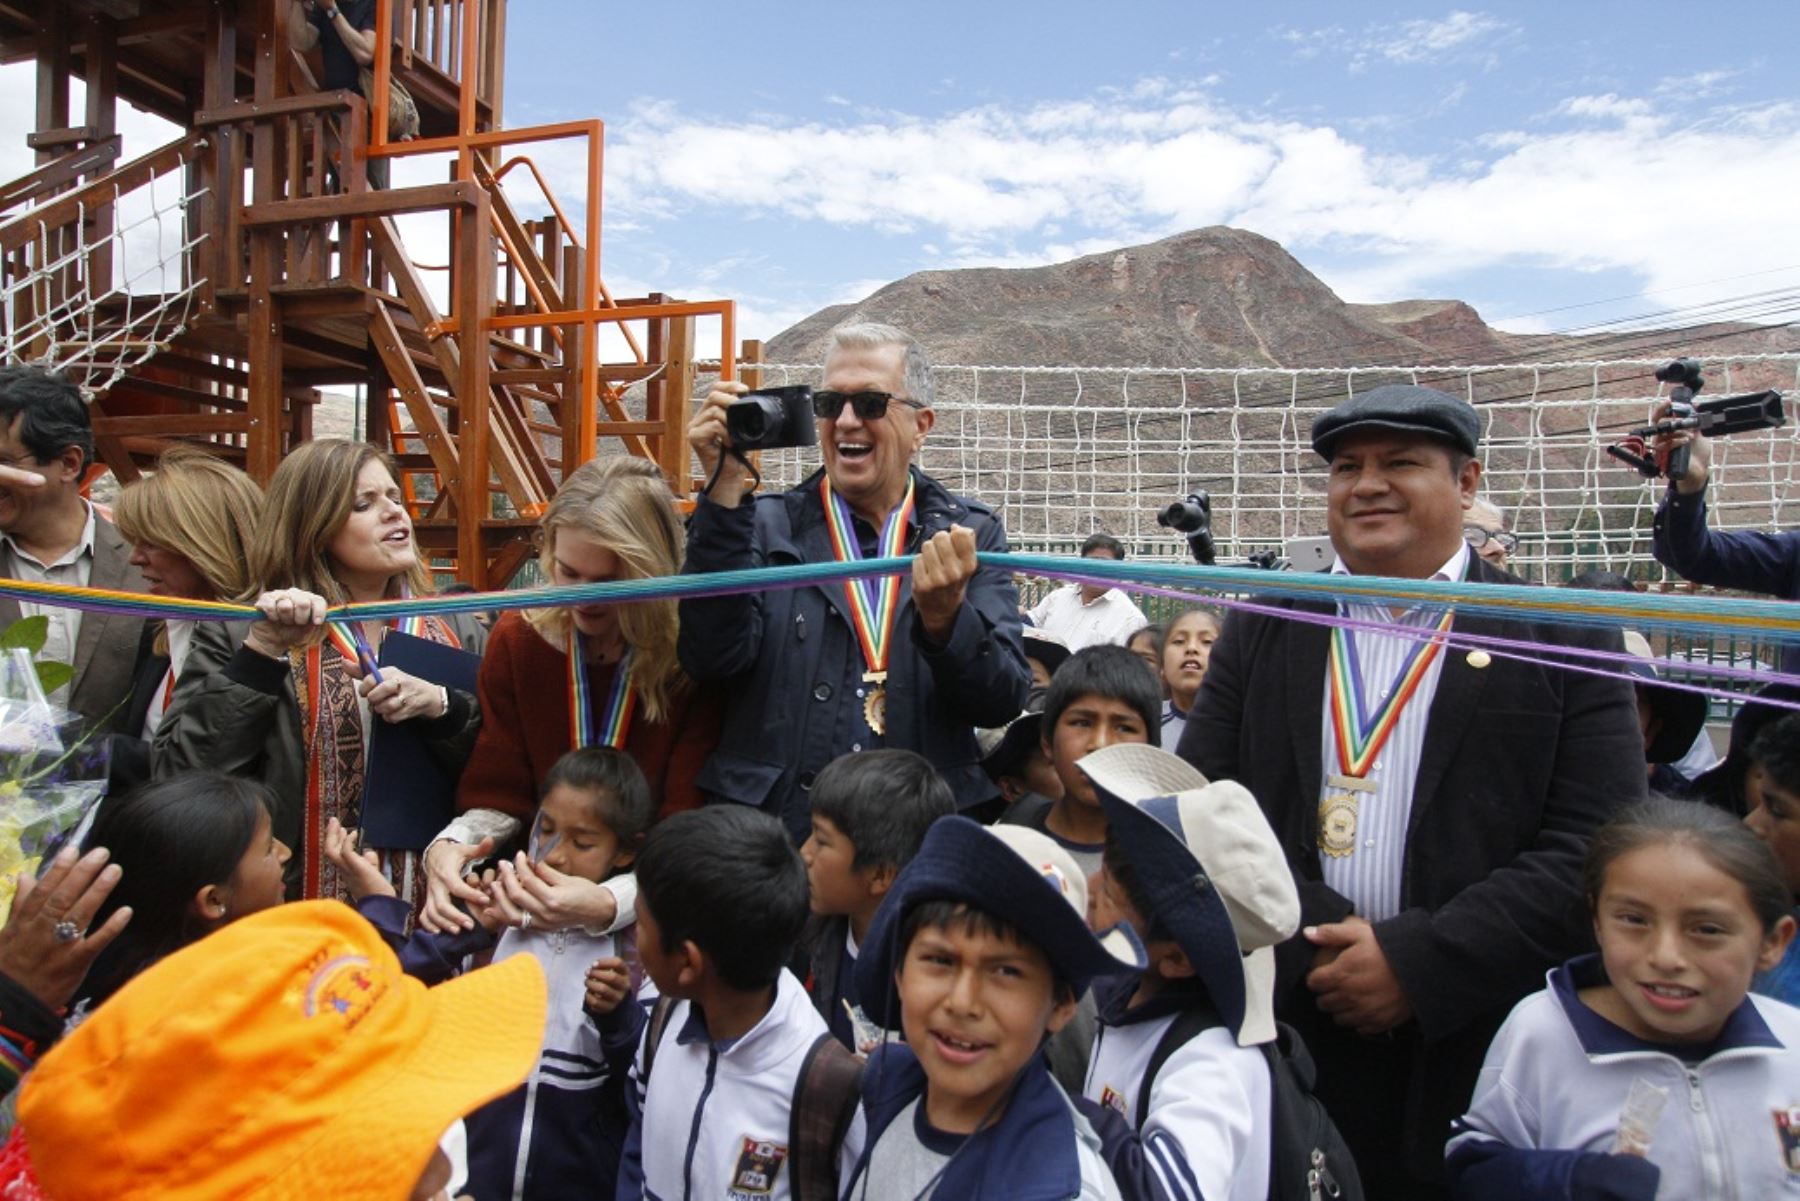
[(1074, 1001)]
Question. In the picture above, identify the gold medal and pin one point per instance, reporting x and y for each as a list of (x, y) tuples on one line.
[(875, 701), (1337, 824), (875, 709)]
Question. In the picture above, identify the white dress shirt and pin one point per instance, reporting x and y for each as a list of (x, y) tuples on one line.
[(1369, 876), (75, 567), (1108, 621)]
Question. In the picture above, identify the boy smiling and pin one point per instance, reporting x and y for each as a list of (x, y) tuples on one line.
[(977, 955)]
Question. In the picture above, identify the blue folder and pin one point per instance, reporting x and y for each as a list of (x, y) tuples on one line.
[(409, 795)]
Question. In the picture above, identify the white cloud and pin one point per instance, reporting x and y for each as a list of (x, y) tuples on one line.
[(1429, 41), (1595, 186)]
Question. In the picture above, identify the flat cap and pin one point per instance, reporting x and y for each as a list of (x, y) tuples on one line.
[(1407, 408)]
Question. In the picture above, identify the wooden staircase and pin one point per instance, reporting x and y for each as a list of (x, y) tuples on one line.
[(485, 382)]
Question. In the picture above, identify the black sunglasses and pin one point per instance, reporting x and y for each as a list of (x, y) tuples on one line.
[(868, 406)]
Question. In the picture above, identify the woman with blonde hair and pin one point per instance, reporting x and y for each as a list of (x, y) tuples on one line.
[(585, 675), (292, 705), (190, 524)]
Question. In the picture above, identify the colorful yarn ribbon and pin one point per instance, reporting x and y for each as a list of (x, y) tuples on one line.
[(1361, 730)]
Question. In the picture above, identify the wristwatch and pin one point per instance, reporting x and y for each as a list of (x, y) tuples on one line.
[(331, 14)]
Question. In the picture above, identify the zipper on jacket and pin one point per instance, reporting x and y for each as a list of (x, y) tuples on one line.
[(522, 1164), (687, 1167), (1713, 1169)]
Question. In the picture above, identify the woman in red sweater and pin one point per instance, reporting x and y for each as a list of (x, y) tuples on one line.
[(585, 675)]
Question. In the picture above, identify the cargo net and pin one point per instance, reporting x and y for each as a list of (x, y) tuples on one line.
[(1063, 452), (106, 287)]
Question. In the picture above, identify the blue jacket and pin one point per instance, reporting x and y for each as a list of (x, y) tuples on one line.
[(1745, 560), (1547, 1107), (1034, 1152), (790, 657)]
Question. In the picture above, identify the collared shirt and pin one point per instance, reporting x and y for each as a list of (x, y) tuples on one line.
[(75, 567), (1369, 876), (1108, 621)]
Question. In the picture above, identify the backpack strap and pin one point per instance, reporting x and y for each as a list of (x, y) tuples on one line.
[(659, 1022), (826, 1093), (1189, 1023)]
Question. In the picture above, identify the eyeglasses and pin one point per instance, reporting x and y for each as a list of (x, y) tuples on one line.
[(1477, 537), (868, 406)]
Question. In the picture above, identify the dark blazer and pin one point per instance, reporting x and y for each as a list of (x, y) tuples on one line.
[(781, 654), (108, 646), (1520, 763)]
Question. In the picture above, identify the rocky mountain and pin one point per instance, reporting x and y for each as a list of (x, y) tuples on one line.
[(1214, 297)]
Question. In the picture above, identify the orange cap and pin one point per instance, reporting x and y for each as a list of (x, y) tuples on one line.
[(286, 1055)]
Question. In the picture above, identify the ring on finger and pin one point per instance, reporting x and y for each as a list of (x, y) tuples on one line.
[(66, 931)]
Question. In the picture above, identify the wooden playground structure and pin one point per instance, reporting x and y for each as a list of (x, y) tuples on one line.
[(483, 353)]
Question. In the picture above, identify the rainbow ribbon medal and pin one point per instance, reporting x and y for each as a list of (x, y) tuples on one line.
[(873, 603), (615, 721), (1361, 732)]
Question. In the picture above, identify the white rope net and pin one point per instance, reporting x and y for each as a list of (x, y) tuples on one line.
[(97, 295), (1062, 452)]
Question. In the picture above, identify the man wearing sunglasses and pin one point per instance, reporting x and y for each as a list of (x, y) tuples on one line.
[(817, 672), (1484, 529)]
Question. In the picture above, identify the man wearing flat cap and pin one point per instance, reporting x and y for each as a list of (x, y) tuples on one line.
[(1437, 831)]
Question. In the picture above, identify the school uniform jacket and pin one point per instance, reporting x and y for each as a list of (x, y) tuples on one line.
[(556, 1137), (712, 1125), (1548, 1102), (1041, 1149), (1206, 1136), (784, 653), (1520, 763)]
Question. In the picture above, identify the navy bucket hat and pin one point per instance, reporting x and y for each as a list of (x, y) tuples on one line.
[(1013, 873)]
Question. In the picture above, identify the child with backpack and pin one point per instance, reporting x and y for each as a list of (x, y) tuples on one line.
[(978, 953), (558, 1137), (1188, 1052), (738, 1089), (870, 811), (1650, 1069)]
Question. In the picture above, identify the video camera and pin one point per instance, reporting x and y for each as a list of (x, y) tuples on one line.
[(1717, 418), (1192, 517)]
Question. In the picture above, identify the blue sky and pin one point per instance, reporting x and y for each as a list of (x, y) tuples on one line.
[(1525, 159)]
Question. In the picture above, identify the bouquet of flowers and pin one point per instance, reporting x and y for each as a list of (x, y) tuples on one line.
[(52, 771)]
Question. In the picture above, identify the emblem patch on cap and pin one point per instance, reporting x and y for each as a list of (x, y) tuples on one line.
[(759, 1163), (345, 987), (1055, 876)]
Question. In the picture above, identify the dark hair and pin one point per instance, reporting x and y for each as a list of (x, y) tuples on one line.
[(1776, 749), (621, 794), (727, 879), (1126, 877), (1218, 620), (55, 416), (1100, 540), (170, 839), (1721, 839), (970, 919), (1157, 630), (1109, 671), (1600, 580), (883, 802)]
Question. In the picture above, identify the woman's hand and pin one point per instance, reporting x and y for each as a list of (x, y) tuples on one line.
[(402, 697), (46, 946), (446, 865), (290, 616), (549, 900), (361, 869)]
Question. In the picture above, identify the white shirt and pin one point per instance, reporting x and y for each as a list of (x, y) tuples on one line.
[(1108, 621), (181, 638), (75, 567), (1369, 876), (1207, 1132)]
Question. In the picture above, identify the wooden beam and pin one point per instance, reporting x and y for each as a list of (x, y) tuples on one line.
[(445, 455), (52, 73), (345, 206), (243, 112), (475, 294), (173, 424), (71, 135), (89, 160)]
